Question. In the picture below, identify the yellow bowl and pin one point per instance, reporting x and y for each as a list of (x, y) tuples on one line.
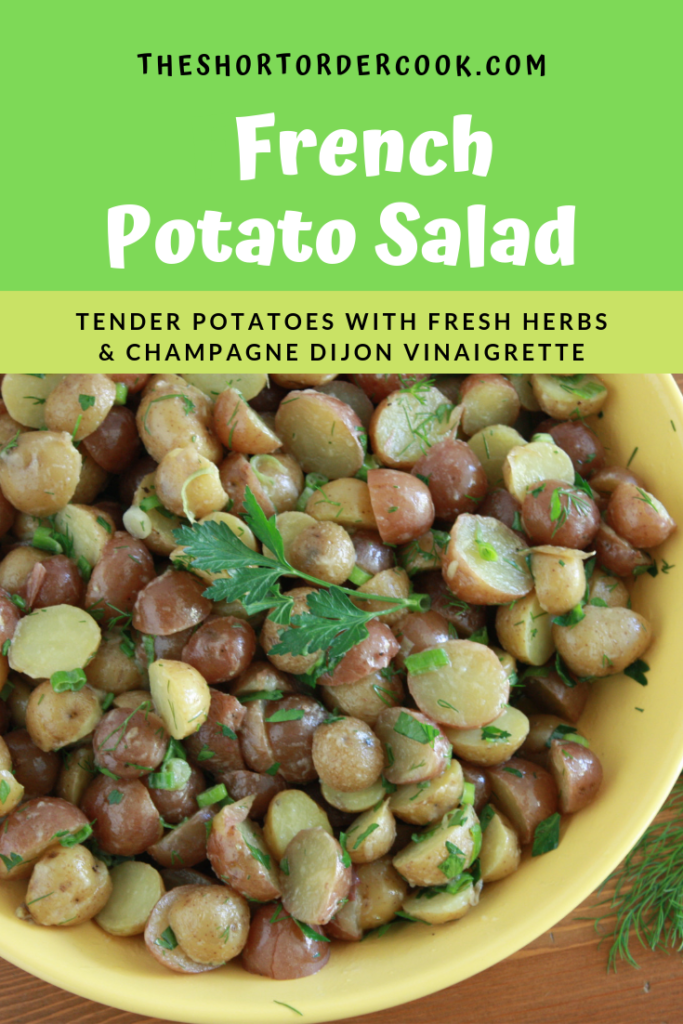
[(642, 754)]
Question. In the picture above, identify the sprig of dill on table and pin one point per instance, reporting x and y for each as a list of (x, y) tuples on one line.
[(647, 902)]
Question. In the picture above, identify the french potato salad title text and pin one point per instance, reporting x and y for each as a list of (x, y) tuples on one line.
[(442, 240)]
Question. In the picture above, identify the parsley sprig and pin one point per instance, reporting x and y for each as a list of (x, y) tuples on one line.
[(334, 624)]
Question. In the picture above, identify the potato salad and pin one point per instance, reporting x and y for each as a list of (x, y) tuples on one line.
[(285, 661)]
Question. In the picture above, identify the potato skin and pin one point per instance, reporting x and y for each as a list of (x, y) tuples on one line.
[(525, 800), (30, 832), (37, 770), (159, 920), (126, 828), (68, 886), (638, 517), (277, 948), (55, 720), (578, 774), (604, 642), (347, 755), (211, 923)]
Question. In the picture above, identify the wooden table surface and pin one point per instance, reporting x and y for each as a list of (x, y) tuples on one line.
[(561, 977)]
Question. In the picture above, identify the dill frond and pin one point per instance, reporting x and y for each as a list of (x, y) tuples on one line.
[(646, 903)]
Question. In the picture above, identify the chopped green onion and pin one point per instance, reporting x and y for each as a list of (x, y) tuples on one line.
[(19, 601), (468, 794), (312, 483), (74, 680), (212, 796), (44, 539), (369, 462), (359, 576), (174, 775), (151, 501), (427, 661), (121, 394), (84, 568)]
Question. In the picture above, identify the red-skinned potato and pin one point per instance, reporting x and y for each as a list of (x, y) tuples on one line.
[(54, 581), (578, 775), (35, 769), (372, 555), (638, 517), (418, 631), (402, 505), (214, 746), (500, 504), (292, 741), (467, 618), (115, 445), (221, 648), (370, 655), (124, 569), (185, 845), (475, 774), (552, 694), (177, 959), (378, 386), (236, 475), (30, 831), (486, 399), (616, 554), (262, 787), (277, 947), (345, 924), (176, 804), (572, 524), (127, 826), (230, 849), (455, 477), (527, 798), (130, 744), (484, 564), (169, 603), (583, 447)]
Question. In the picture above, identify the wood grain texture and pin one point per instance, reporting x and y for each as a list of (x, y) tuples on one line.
[(561, 977)]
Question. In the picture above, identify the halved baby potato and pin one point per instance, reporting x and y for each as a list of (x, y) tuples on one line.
[(427, 860), (372, 835), (524, 629), (493, 743), (316, 881), (491, 445), (407, 423), (604, 642), (355, 801), (459, 683), (559, 578), (181, 696), (323, 434), (55, 639), (288, 813), (160, 539), (533, 463), (137, 888), (487, 398), (249, 385), (25, 395), (564, 396), (345, 501), (89, 528), (424, 802), (444, 906), (240, 428), (484, 564), (500, 850), (416, 749)]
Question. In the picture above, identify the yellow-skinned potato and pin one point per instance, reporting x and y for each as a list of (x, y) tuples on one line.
[(421, 863), (240, 428), (302, 380), (230, 849), (5, 757), (112, 670), (532, 463), (317, 881), (443, 907), (406, 423), (345, 501), (90, 529), (387, 583), (372, 835), (490, 745), (491, 445), (381, 891), (68, 886), (181, 696), (500, 850), (422, 803), (160, 539), (173, 414), (39, 474), (486, 399), (189, 484), (25, 394), (136, 889), (525, 630), (80, 403), (521, 382), (324, 550), (353, 803), (508, 663), (459, 683), (11, 792), (323, 434), (76, 774), (249, 385), (288, 813), (604, 642), (54, 720), (54, 639), (559, 578), (236, 526), (367, 698), (416, 750), (91, 481), (290, 525), (609, 589), (210, 923), (16, 567), (563, 396), (483, 564)]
